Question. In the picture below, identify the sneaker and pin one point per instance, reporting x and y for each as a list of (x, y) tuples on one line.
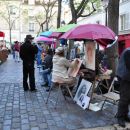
[(48, 89), (121, 122), (44, 85)]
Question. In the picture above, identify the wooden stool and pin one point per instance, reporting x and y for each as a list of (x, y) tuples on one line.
[(59, 89)]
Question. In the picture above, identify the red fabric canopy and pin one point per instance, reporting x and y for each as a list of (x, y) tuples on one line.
[(2, 34), (100, 33), (55, 34), (123, 37)]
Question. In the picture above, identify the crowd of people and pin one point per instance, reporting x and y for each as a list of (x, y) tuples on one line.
[(55, 65)]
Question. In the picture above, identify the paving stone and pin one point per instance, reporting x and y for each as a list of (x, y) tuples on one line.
[(32, 118), (56, 118), (24, 121), (6, 128), (33, 123), (35, 128), (15, 125), (51, 122), (43, 126), (60, 124), (7, 122), (21, 110), (25, 127)]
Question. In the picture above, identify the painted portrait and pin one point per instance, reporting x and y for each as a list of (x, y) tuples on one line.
[(83, 89), (83, 101), (90, 47)]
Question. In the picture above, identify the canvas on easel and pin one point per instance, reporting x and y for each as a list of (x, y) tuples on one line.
[(89, 48), (72, 72)]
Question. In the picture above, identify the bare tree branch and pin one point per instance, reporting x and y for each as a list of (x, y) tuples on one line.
[(82, 9), (90, 12)]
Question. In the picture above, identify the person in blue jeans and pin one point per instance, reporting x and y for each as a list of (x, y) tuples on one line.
[(39, 59), (47, 69)]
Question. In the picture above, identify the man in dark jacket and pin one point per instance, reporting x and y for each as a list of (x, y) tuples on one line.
[(123, 73), (27, 54)]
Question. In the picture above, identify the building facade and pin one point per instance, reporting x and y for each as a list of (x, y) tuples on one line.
[(124, 17), (26, 16)]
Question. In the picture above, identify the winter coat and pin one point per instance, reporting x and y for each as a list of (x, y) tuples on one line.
[(28, 52), (123, 69)]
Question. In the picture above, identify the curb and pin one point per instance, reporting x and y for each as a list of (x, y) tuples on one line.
[(113, 127)]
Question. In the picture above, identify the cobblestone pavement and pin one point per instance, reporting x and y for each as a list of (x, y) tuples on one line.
[(21, 110)]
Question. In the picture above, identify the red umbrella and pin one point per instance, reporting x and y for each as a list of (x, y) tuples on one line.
[(55, 35), (2, 34), (97, 32)]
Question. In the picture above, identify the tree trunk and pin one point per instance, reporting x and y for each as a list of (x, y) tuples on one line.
[(113, 18), (71, 46), (73, 11), (10, 36), (59, 13), (47, 21), (113, 15)]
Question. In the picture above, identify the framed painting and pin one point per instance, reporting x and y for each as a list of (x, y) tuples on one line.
[(83, 89)]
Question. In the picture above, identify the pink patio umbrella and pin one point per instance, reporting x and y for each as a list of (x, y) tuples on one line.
[(100, 33), (55, 34), (44, 39)]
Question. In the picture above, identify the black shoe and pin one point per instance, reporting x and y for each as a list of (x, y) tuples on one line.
[(121, 122), (48, 89), (44, 85), (127, 119), (26, 89), (33, 90)]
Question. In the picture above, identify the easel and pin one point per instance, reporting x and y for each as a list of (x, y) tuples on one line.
[(98, 78)]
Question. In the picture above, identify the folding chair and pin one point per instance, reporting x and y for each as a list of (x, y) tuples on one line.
[(112, 94), (59, 90)]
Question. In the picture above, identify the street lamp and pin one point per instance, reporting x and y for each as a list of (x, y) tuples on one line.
[(105, 6), (62, 22)]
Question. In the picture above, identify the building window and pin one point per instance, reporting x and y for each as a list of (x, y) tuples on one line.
[(14, 25), (98, 22), (12, 10), (30, 12), (31, 2), (124, 0), (31, 27), (125, 23)]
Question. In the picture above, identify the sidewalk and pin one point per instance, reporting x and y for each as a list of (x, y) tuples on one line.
[(21, 110), (113, 127)]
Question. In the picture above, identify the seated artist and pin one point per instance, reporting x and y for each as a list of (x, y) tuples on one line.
[(60, 69)]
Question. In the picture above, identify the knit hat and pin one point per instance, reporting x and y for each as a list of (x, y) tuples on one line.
[(59, 50)]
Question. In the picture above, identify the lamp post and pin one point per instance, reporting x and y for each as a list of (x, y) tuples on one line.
[(62, 23), (105, 6)]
